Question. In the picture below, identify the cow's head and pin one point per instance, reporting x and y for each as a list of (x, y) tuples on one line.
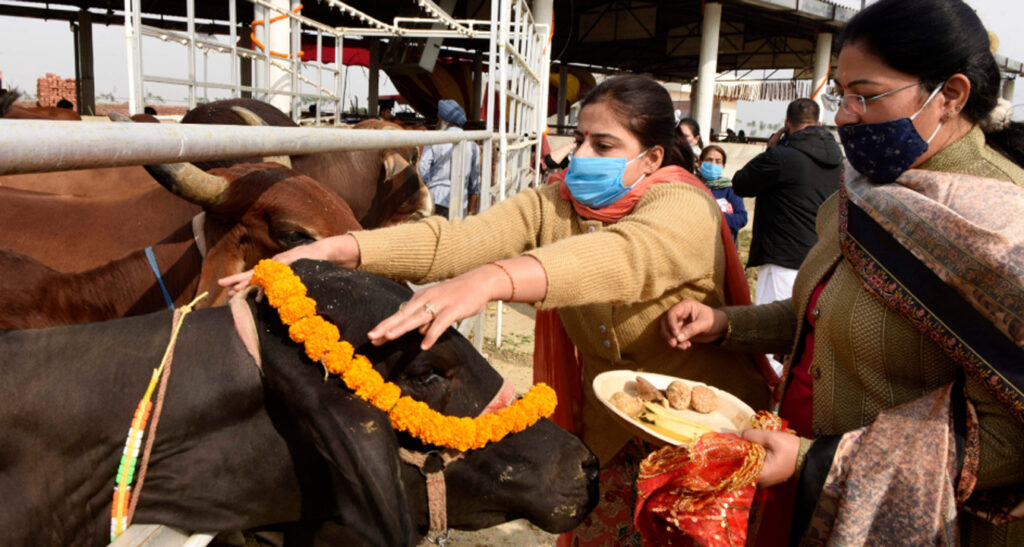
[(383, 186), (543, 474), (253, 211)]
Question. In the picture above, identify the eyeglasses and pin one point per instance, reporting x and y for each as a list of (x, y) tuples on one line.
[(856, 104)]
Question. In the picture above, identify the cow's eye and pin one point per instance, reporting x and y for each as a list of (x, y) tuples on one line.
[(427, 379), (293, 239)]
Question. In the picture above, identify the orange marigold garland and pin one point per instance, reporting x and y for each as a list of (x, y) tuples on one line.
[(286, 293)]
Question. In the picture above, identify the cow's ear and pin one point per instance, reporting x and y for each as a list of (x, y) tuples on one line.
[(357, 443), (394, 163)]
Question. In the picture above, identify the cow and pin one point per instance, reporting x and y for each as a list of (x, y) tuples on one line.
[(383, 187), (9, 110), (250, 211), (238, 447), (400, 190)]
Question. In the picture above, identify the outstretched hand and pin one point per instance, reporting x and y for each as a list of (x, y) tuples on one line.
[(343, 250), (690, 321), (433, 309)]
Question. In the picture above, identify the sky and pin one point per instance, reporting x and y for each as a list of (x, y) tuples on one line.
[(30, 48)]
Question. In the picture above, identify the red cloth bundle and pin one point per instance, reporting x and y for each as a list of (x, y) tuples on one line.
[(701, 494)]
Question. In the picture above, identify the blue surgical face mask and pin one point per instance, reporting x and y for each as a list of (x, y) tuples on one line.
[(597, 182), (710, 171), (883, 151)]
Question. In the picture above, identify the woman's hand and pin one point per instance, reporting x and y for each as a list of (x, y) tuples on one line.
[(690, 321), (433, 309), (343, 250), (780, 461)]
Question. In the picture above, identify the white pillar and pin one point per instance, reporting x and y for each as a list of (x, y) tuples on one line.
[(704, 99), (280, 42), (1008, 85), (543, 11), (822, 61)]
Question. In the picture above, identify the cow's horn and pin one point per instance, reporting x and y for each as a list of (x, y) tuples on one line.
[(190, 182), (251, 118)]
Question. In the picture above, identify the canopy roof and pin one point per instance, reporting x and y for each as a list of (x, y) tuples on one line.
[(660, 38)]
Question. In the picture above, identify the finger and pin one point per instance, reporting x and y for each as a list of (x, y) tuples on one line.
[(436, 328), (411, 317), (666, 332), (236, 279), (758, 436)]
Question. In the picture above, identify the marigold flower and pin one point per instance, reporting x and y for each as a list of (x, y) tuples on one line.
[(286, 292)]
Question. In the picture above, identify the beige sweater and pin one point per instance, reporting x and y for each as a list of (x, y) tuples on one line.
[(868, 358), (610, 282)]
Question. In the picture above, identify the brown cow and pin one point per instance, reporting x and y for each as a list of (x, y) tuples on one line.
[(252, 211), (399, 194), (9, 110)]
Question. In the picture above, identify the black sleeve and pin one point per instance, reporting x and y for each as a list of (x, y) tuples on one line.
[(549, 162), (758, 174)]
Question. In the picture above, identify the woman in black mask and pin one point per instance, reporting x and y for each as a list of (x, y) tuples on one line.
[(906, 325)]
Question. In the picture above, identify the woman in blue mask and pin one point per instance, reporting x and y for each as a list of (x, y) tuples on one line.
[(905, 379), (712, 162), (626, 233)]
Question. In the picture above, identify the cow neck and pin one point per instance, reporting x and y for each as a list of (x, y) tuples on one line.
[(63, 473), (437, 497), (120, 288)]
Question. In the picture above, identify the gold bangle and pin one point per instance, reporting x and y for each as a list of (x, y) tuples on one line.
[(510, 280)]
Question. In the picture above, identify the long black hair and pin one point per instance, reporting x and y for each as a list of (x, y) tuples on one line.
[(643, 106), (933, 40)]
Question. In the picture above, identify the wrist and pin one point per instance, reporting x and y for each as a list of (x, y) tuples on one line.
[(504, 287), (343, 250), (721, 327)]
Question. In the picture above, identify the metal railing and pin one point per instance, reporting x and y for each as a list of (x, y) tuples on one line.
[(518, 56)]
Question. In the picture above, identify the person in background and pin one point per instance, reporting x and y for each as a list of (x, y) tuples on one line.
[(712, 162), (557, 159), (436, 159), (790, 180), (904, 325), (626, 233), (690, 130), (741, 137), (149, 110), (387, 107)]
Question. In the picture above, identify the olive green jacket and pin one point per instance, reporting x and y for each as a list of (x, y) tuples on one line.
[(868, 358)]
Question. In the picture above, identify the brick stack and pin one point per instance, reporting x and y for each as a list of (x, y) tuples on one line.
[(53, 88)]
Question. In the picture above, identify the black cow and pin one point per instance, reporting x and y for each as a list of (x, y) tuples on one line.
[(236, 449)]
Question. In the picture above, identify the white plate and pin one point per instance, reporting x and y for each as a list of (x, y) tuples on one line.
[(731, 416)]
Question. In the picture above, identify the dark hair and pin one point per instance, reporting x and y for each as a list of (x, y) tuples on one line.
[(64, 103), (802, 112), (933, 40), (682, 152), (152, 111), (713, 148), (694, 128), (643, 106)]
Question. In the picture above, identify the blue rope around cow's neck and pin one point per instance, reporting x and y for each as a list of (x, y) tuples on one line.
[(156, 271)]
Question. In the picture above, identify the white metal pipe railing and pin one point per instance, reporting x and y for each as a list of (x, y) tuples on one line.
[(33, 146)]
